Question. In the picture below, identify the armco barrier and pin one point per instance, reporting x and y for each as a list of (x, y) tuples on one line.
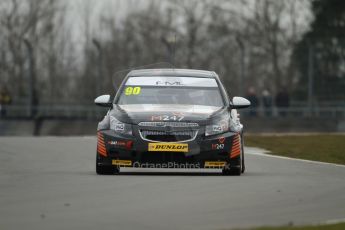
[(92, 112)]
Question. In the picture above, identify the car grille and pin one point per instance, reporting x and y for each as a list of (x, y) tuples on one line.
[(165, 136), (168, 131), (169, 124)]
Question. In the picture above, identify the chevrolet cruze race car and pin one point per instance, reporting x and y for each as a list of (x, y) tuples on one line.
[(171, 118)]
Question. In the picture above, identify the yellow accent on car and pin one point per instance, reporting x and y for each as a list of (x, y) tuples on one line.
[(167, 147), (214, 164), (122, 162), (132, 91)]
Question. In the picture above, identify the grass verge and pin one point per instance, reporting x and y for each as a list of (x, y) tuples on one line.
[(320, 147)]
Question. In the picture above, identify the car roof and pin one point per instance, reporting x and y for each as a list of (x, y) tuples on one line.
[(172, 72)]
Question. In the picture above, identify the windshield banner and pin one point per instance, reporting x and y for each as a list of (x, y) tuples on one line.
[(172, 81)]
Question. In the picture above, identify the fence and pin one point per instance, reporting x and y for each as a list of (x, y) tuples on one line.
[(91, 112)]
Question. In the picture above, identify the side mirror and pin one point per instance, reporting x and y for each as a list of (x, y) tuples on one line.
[(104, 101), (239, 103)]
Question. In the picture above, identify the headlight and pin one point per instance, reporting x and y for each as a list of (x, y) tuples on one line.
[(218, 127), (120, 127)]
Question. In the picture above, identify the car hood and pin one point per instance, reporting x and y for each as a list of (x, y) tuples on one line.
[(137, 113)]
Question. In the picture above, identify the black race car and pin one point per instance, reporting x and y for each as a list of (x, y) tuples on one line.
[(171, 118)]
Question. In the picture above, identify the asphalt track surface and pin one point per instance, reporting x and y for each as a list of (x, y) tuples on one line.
[(50, 183)]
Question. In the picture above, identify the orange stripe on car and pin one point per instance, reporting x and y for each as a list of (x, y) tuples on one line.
[(102, 152), (101, 145), (235, 155), (101, 148), (236, 147)]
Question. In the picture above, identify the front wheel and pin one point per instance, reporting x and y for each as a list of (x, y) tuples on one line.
[(233, 171), (242, 154), (106, 169), (234, 168)]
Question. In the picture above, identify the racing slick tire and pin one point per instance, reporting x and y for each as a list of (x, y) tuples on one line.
[(236, 167), (232, 171), (242, 149), (106, 169)]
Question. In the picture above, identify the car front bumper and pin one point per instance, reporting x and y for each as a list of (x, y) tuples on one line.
[(134, 151)]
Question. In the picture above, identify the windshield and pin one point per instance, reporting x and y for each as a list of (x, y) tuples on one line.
[(171, 90)]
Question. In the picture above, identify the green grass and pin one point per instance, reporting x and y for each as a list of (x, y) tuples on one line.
[(318, 147), (320, 227)]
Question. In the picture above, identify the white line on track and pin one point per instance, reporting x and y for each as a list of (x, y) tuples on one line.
[(335, 221), (263, 152)]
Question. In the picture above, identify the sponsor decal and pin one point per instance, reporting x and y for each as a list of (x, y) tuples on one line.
[(174, 117), (217, 146), (132, 91), (220, 145), (215, 164), (217, 128), (169, 83), (221, 140), (117, 143), (179, 114), (126, 144), (156, 118), (119, 127), (167, 147), (122, 162)]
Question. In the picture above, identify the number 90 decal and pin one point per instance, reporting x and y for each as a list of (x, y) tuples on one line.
[(132, 91)]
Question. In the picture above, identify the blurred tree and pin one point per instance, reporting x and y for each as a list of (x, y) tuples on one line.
[(235, 38), (41, 22), (272, 32), (266, 31), (327, 40)]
